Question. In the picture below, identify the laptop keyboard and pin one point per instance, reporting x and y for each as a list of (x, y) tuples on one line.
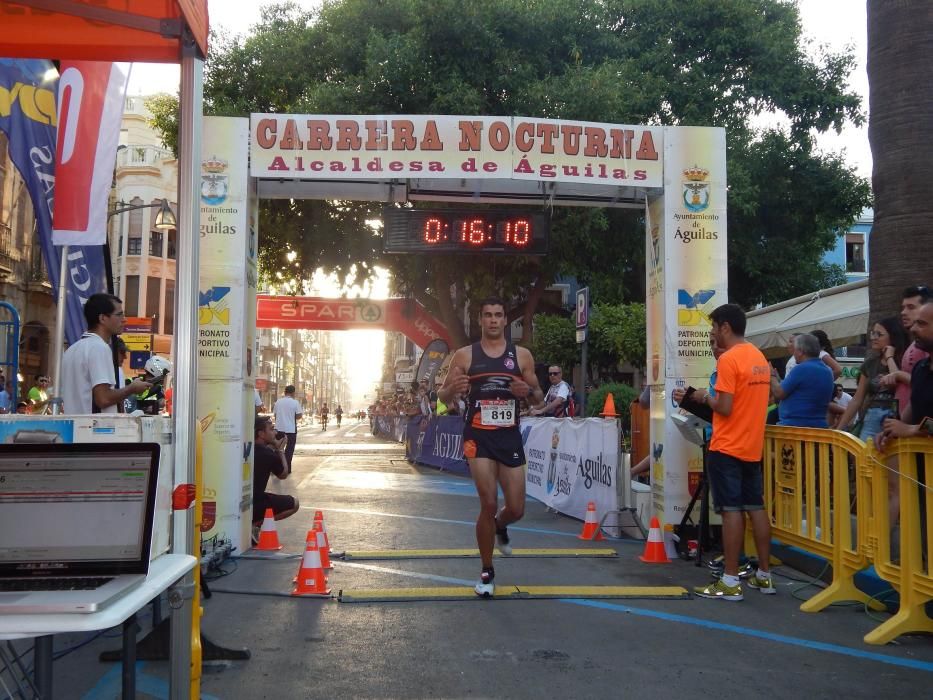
[(85, 583)]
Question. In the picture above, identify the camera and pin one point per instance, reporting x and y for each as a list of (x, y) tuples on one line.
[(279, 434)]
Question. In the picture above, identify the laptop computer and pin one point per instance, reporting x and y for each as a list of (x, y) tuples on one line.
[(75, 524)]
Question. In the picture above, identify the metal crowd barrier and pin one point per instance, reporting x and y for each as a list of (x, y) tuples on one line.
[(828, 494), (907, 568)]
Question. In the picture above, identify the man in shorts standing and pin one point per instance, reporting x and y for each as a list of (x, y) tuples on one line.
[(496, 374), (739, 406)]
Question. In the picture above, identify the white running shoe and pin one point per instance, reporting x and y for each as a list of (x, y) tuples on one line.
[(485, 588)]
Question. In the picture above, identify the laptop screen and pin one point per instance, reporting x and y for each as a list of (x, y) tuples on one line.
[(76, 508)]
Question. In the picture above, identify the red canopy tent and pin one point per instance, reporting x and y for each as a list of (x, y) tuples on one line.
[(156, 31), (149, 30)]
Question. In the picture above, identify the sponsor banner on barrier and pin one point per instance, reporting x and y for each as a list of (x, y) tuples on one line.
[(437, 442), (393, 427), (571, 463)]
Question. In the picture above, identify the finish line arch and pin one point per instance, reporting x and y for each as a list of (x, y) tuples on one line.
[(675, 175), (406, 316)]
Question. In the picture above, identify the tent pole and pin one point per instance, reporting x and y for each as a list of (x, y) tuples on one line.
[(186, 351)]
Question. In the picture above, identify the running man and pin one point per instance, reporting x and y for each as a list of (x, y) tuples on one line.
[(339, 413), (324, 411), (496, 374)]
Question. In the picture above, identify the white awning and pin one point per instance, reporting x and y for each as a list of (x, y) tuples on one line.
[(842, 312)]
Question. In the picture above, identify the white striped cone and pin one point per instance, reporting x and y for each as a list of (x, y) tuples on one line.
[(590, 524), (323, 545), (311, 580), (654, 547)]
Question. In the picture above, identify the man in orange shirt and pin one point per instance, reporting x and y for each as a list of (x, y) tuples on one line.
[(740, 408)]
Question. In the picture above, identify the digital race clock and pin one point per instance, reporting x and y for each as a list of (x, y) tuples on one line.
[(500, 231)]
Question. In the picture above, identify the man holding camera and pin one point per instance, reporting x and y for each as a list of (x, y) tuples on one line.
[(269, 459)]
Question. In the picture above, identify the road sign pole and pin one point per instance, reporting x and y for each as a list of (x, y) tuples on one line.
[(583, 322)]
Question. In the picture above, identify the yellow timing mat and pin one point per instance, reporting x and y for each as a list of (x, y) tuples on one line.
[(391, 595), (454, 553)]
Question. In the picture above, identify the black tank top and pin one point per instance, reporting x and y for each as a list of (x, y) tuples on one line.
[(489, 382)]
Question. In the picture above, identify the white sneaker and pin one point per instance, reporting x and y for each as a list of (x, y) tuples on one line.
[(485, 588)]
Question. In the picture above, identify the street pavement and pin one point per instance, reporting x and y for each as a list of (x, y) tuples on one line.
[(373, 499)]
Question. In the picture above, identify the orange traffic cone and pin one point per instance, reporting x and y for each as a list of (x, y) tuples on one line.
[(320, 535), (590, 525), (654, 547), (311, 580), (609, 408), (268, 535)]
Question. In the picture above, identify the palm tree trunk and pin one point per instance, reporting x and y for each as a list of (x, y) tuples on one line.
[(900, 130)]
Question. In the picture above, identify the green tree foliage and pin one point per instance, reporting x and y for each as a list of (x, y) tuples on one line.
[(555, 342), (617, 335), (707, 62)]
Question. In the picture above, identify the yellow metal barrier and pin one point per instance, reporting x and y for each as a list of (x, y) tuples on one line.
[(812, 500), (908, 568), (828, 494)]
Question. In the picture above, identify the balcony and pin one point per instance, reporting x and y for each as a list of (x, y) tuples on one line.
[(142, 158), (6, 248)]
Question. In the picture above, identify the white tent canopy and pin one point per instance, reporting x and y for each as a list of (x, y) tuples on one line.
[(842, 312)]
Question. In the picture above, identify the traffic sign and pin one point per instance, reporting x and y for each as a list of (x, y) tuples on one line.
[(137, 341), (137, 324), (583, 307), (581, 335)]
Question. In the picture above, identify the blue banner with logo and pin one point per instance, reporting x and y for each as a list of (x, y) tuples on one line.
[(28, 117), (437, 442)]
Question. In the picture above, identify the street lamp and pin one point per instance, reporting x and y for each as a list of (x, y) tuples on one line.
[(164, 221)]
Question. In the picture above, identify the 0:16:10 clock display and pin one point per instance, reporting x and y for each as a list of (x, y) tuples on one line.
[(477, 231)]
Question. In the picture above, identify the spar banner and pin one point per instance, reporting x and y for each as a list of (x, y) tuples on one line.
[(406, 316), (437, 442), (572, 462), (309, 147)]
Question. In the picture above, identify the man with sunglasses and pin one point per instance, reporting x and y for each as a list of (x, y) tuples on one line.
[(557, 395), (38, 395), (88, 376)]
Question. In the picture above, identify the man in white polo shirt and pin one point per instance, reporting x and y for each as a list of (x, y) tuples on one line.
[(88, 377), (287, 413)]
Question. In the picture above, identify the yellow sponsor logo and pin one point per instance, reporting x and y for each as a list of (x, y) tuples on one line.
[(34, 102)]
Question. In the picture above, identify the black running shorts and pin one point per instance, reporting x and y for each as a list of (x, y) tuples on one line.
[(503, 446)]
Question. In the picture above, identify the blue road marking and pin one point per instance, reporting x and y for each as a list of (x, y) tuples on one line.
[(110, 686), (759, 634)]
